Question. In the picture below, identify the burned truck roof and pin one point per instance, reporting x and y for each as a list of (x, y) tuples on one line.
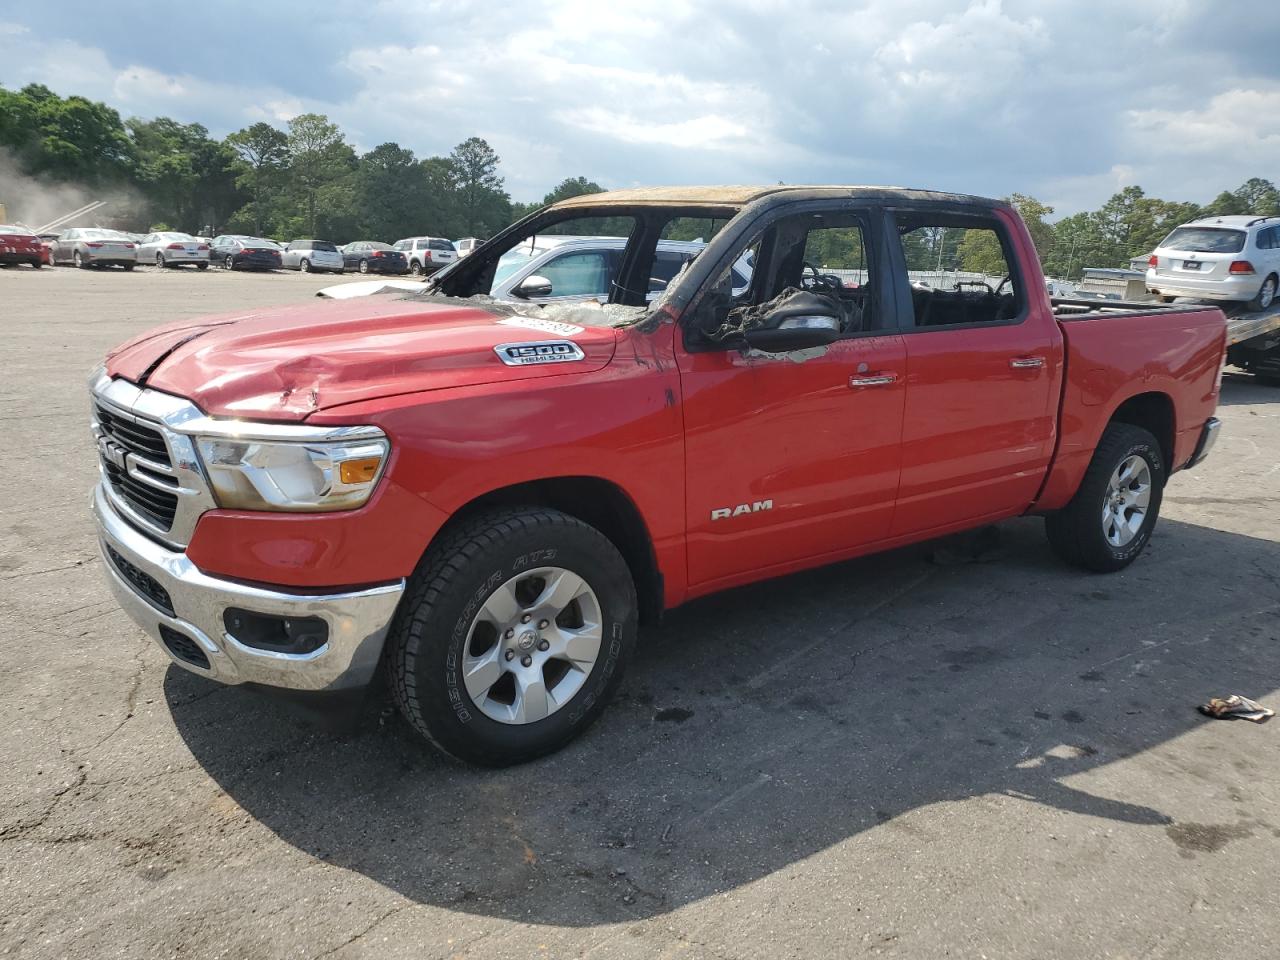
[(740, 196)]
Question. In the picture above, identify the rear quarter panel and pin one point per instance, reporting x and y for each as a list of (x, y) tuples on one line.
[(1111, 358)]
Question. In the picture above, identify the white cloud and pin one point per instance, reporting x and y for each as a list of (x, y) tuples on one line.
[(986, 96)]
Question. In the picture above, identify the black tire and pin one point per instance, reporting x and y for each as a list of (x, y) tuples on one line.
[(37, 264), (432, 626), (415, 268), (160, 261), (228, 264), (304, 266), (1163, 299), (1263, 301), (79, 261), (1076, 533), (128, 266), (364, 266), (202, 266)]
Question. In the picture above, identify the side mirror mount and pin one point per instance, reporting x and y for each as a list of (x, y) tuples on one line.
[(533, 286)]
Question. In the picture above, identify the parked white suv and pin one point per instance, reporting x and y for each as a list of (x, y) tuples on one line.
[(1219, 258), (426, 254)]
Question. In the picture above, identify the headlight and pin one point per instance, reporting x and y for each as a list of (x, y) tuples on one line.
[(301, 476)]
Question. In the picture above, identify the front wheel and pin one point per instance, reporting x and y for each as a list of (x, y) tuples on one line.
[(160, 261), (1110, 519), (229, 264), (79, 261), (513, 635), (304, 266), (128, 266), (364, 266)]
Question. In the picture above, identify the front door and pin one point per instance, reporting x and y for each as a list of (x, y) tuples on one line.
[(794, 456)]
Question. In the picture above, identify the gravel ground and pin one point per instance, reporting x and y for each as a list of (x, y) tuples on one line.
[(894, 757)]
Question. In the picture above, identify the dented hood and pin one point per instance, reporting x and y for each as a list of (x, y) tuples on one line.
[(288, 362)]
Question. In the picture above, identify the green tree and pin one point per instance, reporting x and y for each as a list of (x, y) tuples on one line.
[(483, 206), (390, 193), (1259, 197), (65, 139), (263, 151), (980, 251), (187, 178), (318, 157)]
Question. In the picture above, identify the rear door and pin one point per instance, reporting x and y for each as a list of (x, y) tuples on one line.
[(792, 457), (981, 411)]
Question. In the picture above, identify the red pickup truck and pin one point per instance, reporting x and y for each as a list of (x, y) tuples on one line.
[(481, 499)]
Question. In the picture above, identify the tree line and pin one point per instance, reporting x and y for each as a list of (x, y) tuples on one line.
[(302, 180), (306, 180)]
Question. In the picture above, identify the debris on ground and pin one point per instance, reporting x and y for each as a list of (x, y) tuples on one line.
[(1236, 707)]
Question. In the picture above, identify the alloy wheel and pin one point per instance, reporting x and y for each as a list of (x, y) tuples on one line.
[(532, 645), (1128, 498), (1267, 295)]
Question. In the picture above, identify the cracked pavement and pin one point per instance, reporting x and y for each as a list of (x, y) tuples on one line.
[(965, 751)]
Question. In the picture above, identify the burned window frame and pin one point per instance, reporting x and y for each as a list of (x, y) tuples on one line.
[(753, 228)]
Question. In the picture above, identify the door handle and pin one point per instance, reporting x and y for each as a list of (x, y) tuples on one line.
[(1026, 363), (874, 380)]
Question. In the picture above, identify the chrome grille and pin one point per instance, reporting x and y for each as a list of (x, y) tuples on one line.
[(136, 463), (133, 436)]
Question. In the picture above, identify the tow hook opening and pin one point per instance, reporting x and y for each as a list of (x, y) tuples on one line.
[(275, 634)]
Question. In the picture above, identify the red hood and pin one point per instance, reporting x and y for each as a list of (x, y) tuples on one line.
[(286, 363)]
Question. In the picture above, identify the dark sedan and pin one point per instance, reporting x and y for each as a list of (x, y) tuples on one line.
[(235, 252), (372, 256)]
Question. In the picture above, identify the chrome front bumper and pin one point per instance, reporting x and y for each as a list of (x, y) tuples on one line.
[(357, 621), (1208, 437)]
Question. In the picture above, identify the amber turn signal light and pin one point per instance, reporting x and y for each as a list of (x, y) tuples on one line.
[(359, 471)]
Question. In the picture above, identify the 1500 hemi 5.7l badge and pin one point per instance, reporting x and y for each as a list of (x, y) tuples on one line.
[(540, 351)]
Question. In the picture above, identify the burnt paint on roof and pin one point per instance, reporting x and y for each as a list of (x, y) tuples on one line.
[(739, 196)]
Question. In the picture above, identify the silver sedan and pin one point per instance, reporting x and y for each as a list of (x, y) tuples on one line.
[(87, 247), (172, 249)]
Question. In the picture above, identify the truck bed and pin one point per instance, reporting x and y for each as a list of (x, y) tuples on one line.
[(1242, 325), (1169, 355)]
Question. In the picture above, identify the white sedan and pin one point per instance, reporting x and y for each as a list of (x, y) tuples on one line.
[(170, 249)]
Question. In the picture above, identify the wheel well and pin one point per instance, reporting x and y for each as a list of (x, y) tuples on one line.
[(1154, 413), (603, 505)]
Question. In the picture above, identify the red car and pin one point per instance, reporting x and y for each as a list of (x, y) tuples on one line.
[(483, 499), (20, 245)]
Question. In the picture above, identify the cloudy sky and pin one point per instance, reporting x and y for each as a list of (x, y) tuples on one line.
[(1068, 100)]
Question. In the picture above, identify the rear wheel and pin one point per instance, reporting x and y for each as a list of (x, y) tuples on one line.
[(513, 635), (1110, 519), (1266, 294), (128, 266), (1163, 299), (415, 268), (37, 264), (202, 266)]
